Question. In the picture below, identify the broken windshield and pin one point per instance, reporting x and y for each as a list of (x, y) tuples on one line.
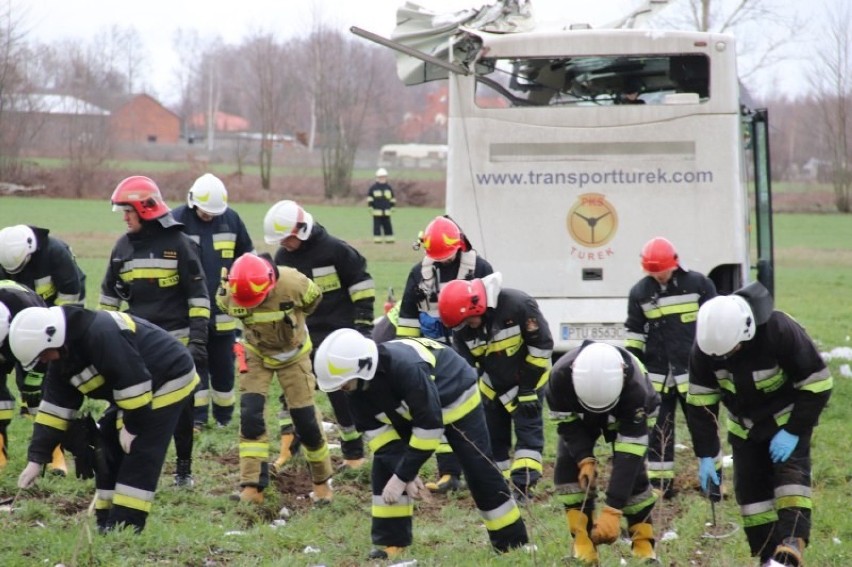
[(593, 80)]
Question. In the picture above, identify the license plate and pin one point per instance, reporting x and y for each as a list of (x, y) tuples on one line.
[(592, 331)]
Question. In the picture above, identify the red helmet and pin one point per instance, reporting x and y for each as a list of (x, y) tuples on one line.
[(460, 299), (442, 239), (658, 255), (143, 195), (250, 280)]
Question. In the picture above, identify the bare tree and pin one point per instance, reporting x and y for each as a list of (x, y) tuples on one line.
[(832, 83), (14, 126)]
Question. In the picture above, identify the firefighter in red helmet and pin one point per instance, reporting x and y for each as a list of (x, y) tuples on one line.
[(661, 313), (448, 256), (273, 303), (155, 269)]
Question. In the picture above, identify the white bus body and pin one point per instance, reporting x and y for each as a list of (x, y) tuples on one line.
[(411, 156), (559, 186)]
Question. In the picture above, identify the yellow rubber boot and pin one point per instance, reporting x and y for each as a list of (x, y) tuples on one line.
[(447, 483), (57, 466), (3, 459), (584, 549), (642, 535), (322, 493), (251, 495), (389, 552), (352, 464), (285, 454)]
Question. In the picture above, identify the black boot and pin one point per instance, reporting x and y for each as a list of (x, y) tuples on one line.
[(183, 474)]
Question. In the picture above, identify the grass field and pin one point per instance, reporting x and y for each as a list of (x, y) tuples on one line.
[(203, 527)]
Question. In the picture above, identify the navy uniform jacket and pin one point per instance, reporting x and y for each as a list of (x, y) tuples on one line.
[(340, 271), (420, 385), (625, 425), (52, 271), (661, 322), (158, 273), (777, 379), (381, 199), (115, 357), (221, 241), (16, 297)]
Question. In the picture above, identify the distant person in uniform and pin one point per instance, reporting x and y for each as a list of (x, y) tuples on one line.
[(381, 200)]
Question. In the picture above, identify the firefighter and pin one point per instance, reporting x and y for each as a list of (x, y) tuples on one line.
[(30, 256), (438, 391), (348, 297), (222, 237), (14, 298), (661, 312), (155, 269), (503, 334), (145, 374), (449, 255), (765, 369), (601, 390), (273, 303), (381, 200)]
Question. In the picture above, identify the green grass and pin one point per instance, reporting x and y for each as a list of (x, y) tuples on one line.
[(202, 527)]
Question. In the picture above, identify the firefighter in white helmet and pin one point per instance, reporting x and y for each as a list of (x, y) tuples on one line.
[(381, 200), (763, 366), (599, 390), (222, 238), (348, 299), (438, 391)]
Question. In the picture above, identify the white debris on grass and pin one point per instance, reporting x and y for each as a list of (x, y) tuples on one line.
[(727, 461), (836, 541), (310, 549), (284, 512), (837, 353), (669, 535), (681, 447), (236, 532), (328, 427), (845, 371), (278, 523), (408, 563)]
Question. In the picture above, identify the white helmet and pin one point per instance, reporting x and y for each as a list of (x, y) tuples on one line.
[(345, 355), (17, 244), (208, 193), (598, 377), (381, 172), (284, 219), (724, 322), (34, 330), (5, 319)]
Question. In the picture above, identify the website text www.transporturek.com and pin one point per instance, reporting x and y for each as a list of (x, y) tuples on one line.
[(583, 179)]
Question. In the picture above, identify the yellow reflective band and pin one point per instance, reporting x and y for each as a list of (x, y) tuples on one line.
[(381, 440), (793, 502), (819, 387), (423, 444), (131, 502), (254, 449), (162, 400), (507, 519), (200, 312), (462, 409), (317, 455), (531, 464), (392, 510), (92, 383), (135, 402), (761, 519), (639, 506), (736, 429), (703, 399), (631, 448), (365, 294), (51, 421)]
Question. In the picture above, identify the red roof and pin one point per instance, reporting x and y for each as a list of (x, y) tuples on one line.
[(223, 122)]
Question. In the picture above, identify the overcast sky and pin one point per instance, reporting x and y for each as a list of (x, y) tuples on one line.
[(157, 20)]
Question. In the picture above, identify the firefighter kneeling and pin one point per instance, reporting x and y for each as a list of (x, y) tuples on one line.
[(438, 390), (598, 389)]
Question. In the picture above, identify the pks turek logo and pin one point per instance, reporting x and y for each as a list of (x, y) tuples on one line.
[(592, 220)]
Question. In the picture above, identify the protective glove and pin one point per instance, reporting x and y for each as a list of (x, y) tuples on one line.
[(393, 490), (125, 439), (588, 475), (30, 389), (198, 350), (607, 527), (416, 489), (707, 472), (30, 473), (528, 404), (782, 445)]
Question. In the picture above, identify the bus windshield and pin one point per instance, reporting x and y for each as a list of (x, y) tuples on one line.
[(593, 80)]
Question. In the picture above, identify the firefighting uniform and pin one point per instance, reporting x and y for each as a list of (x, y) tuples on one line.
[(625, 427), (157, 272), (348, 298), (776, 380), (278, 343), (16, 297), (221, 241), (381, 200), (660, 330), (146, 375), (511, 350), (421, 391), (418, 314), (52, 272)]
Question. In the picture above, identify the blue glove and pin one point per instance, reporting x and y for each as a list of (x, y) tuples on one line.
[(707, 472), (431, 327), (782, 446)]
